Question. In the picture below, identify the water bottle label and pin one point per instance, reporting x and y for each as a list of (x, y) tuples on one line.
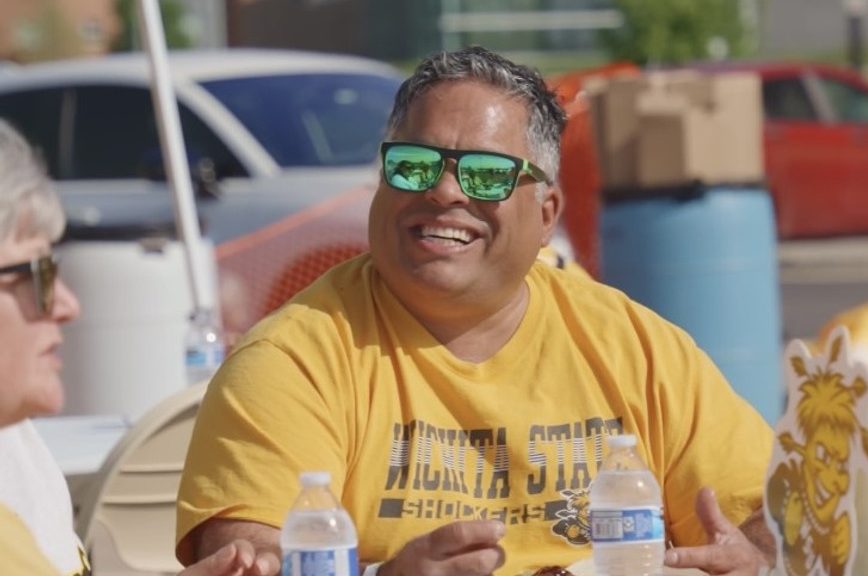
[(201, 358), (641, 524), (340, 562)]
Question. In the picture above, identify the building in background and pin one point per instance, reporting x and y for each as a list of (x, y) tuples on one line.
[(402, 29), (50, 29), (794, 27), (399, 30)]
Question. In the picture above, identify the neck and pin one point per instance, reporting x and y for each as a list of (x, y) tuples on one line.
[(470, 332)]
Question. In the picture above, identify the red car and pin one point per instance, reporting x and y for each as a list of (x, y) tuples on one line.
[(816, 148), (815, 140)]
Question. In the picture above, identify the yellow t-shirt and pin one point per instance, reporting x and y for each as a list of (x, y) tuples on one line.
[(856, 321), (344, 379), (18, 550), (554, 258)]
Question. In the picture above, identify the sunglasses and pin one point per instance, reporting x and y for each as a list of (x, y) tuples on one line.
[(488, 176), (43, 271)]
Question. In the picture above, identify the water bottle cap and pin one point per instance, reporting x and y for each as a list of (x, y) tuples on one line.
[(316, 478), (622, 441)]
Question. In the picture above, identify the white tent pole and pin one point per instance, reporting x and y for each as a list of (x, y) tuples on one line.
[(174, 151)]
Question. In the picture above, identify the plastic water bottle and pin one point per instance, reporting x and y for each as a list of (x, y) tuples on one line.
[(626, 514), (318, 536), (204, 346)]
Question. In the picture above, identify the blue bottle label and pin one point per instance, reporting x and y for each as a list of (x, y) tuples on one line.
[(340, 562), (637, 524), (210, 356)]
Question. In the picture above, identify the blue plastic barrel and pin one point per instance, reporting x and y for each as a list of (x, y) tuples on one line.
[(707, 262)]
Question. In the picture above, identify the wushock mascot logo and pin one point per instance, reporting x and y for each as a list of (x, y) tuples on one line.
[(821, 450)]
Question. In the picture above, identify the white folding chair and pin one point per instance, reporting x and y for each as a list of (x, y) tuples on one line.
[(127, 519)]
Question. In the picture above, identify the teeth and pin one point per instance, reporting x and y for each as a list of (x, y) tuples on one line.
[(822, 494), (447, 233)]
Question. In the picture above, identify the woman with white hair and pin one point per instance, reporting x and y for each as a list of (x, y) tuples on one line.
[(36, 527)]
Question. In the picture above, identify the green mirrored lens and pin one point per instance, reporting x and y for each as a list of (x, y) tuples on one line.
[(412, 168), (486, 176)]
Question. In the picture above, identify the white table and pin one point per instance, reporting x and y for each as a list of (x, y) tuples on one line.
[(586, 568), (80, 444)]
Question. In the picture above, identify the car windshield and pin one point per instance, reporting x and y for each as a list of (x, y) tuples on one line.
[(312, 119)]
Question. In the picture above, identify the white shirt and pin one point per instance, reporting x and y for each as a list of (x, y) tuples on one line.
[(32, 485)]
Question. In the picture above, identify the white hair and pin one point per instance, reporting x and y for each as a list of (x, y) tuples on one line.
[(29, 206)]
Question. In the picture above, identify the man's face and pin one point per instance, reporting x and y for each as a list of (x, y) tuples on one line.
[(441, 246), (29, 362)]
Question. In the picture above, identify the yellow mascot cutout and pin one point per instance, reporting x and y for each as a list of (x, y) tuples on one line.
[(817, 488)]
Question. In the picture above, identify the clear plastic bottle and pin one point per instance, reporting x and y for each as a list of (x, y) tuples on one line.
[(318, 536), (204, 346), (626, 514)]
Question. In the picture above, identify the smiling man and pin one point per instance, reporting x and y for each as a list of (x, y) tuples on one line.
[(458, 390)]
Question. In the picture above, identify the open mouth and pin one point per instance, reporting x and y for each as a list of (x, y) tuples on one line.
[(444, 235), (821, 495)]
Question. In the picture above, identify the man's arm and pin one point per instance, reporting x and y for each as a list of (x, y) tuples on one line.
[(212, 535)]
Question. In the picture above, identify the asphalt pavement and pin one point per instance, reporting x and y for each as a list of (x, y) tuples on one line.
[(819, 278)]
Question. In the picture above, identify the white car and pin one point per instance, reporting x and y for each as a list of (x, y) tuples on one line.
[(282, 147)]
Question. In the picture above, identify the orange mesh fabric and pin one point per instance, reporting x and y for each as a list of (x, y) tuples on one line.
[(261, 270), (580, 169)]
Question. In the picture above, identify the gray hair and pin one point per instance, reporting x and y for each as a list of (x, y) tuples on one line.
[(29, 207), (547, 118)]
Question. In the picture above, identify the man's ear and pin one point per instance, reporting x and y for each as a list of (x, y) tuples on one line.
[(551, 206)]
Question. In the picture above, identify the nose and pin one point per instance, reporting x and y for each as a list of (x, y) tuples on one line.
[(66, 306), (447, 191)]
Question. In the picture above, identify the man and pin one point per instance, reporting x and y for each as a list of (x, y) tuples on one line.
[(36, 535), (459, 391)]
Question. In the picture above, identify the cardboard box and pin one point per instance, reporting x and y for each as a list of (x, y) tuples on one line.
[(668, 136), (620, 125), (679, 127), (737, 118)]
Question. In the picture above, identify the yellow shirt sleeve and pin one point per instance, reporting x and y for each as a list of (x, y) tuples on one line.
[(18, 549)]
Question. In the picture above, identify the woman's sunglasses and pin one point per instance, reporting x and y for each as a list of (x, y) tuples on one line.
[(482, 175), (43, 272)]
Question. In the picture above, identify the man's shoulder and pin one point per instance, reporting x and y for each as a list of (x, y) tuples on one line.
[(345, 284), (342, 292), (553, 280), (593, 300)]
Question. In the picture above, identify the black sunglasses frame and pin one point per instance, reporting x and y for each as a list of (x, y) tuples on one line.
[(43, 272), (522, 164)]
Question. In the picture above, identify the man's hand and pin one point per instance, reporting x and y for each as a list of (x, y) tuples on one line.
[(238, 558), (467, 548), (234, 548), (729, 550)]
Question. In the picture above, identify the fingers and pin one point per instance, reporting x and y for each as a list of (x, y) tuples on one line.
[(267, 564), (458, 537), (715, 559), (476, 563), (238, 558), (728, 550), (224, 562), (253, 564), (713, 521), (467, 548)]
